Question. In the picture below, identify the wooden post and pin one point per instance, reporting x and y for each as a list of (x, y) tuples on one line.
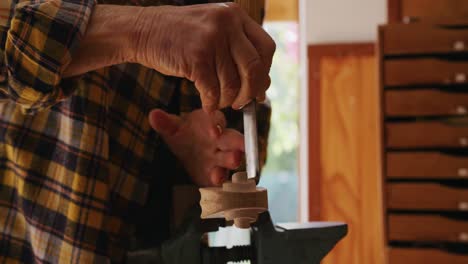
[(255, 8)]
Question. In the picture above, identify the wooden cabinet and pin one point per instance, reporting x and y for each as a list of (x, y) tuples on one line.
[(426, 135), (424, 88), (425, 256), (425, 102), (427, 71), (435, 10), (426, 197), (424, 165), (427, 228), (401, 39)]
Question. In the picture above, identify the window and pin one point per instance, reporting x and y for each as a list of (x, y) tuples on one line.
[(280, 175)]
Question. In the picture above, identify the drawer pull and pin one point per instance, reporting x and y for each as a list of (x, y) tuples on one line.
[(459, 45), (407, 20), (461, 110), (463, 237), (460, 77), (463, 141), (463, 206), (462, 172)]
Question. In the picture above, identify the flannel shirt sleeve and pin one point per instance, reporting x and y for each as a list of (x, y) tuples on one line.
[(37, 40), (190, 100)]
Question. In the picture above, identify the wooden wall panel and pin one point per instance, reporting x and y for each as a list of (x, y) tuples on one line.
[(280, 10), (346, 183), (394, 11)]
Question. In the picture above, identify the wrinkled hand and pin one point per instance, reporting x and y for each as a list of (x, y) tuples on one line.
[(202, 143), (217, 46)]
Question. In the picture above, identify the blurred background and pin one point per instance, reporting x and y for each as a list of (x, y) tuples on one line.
[(370, 125), (280, 175)]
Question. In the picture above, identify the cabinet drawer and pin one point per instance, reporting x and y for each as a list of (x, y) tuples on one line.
[(427, 228), (426, 165), (434, 9), (424, 256), (426, 196), (425, 102), (426, 135), (419, 38), (400, 72)]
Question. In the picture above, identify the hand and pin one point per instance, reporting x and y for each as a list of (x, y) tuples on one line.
[(217, 46), (202, 143)]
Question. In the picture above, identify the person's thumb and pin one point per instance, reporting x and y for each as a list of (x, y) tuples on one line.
[(165, 124)]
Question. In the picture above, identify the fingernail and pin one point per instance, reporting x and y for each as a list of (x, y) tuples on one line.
[(220, 129), (239, 107)]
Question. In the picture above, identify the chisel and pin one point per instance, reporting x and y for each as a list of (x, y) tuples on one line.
[(256, 10), (251, 140)]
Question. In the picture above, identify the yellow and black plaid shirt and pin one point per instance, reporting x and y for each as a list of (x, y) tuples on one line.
[(73, 152)]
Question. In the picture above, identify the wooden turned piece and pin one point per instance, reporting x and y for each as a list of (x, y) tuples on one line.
[(239, 200)]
